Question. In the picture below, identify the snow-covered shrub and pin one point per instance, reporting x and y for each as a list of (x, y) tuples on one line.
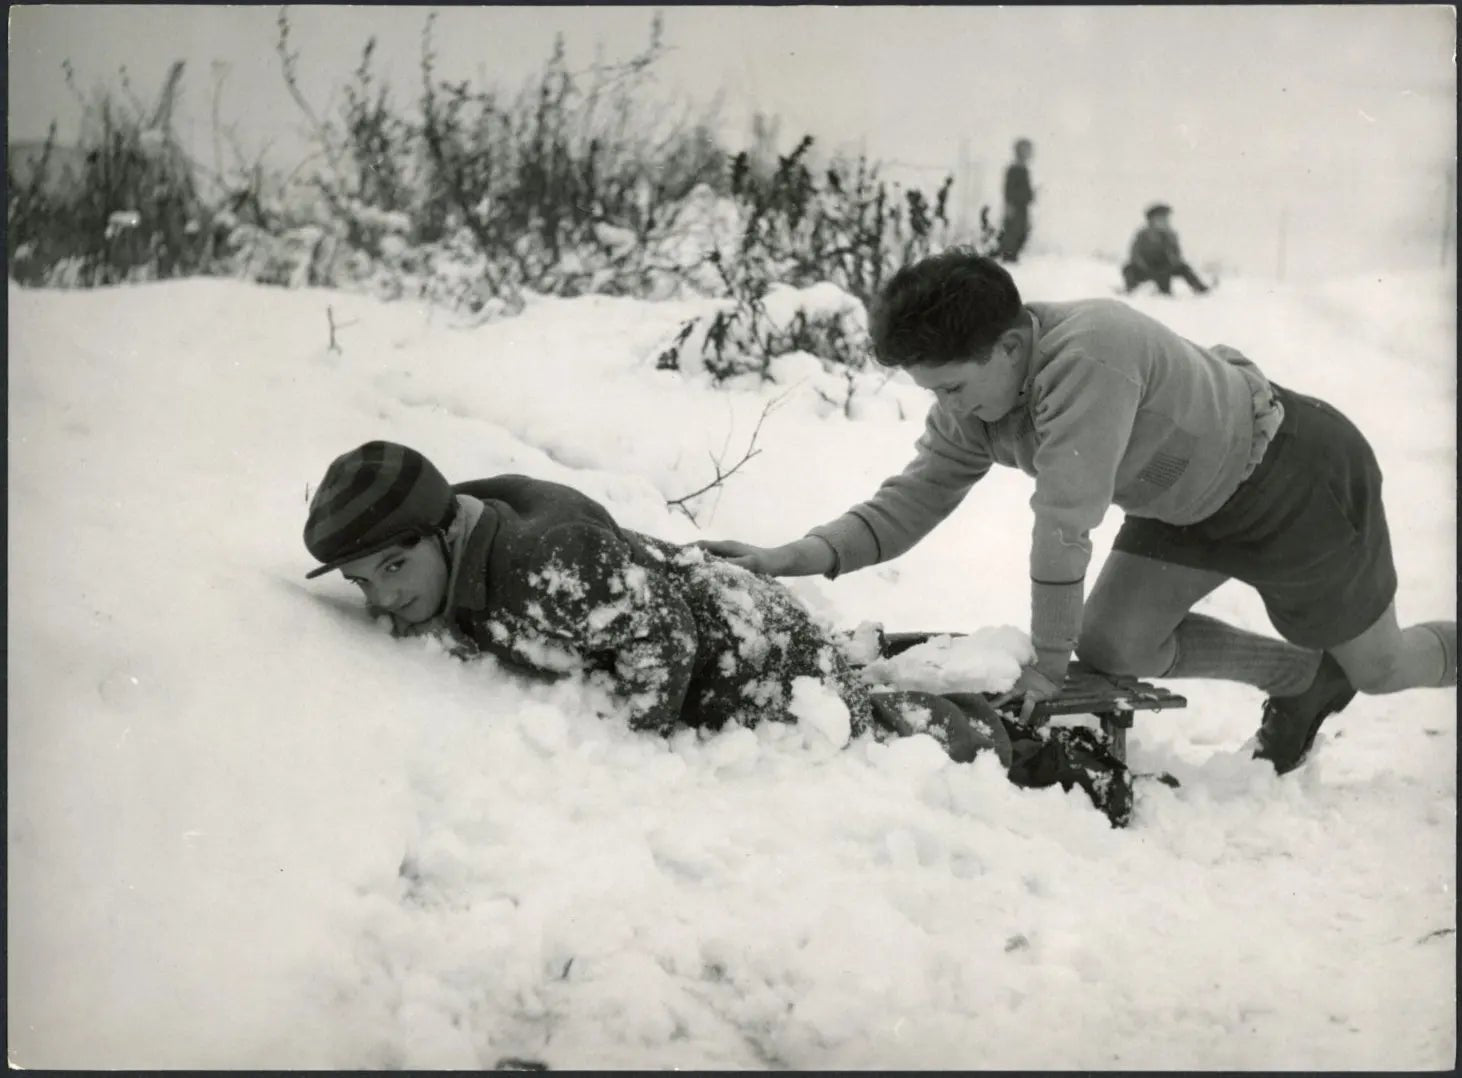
[(578, 183), (295, 258), (122, 205), (581, 182), (847, 226), (370, 180), (805, 258), (746, 335), (574, 185)]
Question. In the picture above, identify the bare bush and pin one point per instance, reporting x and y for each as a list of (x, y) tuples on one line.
[(581, 181), (847, 229), (128, 210), (577, 184)]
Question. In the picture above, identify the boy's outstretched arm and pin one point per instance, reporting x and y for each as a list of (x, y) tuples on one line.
[(948, 460), (906, 507)]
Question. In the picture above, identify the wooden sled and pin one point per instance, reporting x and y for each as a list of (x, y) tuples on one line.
[(1111, 698)]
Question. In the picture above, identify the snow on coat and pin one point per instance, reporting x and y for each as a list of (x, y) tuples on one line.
[(549, 583)]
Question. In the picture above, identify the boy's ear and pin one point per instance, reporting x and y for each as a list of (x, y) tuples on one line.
[(1013, 341)]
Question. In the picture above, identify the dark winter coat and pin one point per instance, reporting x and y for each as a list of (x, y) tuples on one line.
[(548, 582), (1018, 191), (1155, 251)]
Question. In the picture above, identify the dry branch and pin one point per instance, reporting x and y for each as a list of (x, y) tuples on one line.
[(722, 476)]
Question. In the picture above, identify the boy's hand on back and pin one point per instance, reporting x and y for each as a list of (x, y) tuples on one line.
[(805, 557)]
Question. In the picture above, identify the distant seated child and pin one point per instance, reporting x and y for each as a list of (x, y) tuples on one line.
[(1155, 255), (543, 578)]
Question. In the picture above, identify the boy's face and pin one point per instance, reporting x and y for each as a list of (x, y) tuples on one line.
[(986, 390), (407, 582)]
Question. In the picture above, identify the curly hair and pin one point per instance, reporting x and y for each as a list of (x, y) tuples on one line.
[(948, 307)]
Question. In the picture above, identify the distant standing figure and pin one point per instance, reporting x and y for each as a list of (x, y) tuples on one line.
[(1016, 227), (1155, 255)]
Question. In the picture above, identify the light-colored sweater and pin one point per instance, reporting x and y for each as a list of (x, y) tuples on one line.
[(1116, 409)]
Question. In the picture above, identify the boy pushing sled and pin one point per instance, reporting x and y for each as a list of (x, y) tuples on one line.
[(1222, 474)]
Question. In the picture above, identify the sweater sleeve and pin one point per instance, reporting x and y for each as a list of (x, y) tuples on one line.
[(907, 506), (1084, 413), (633, 632)]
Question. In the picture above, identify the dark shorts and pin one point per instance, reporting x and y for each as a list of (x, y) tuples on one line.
[(1306, 530)]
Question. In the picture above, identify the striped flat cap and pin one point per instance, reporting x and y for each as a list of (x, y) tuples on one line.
[(371, 497)]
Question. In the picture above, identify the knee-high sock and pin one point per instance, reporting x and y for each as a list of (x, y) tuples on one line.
[(1209, 648), (1446, 632)]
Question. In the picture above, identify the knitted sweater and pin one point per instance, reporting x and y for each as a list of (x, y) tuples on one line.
[(1116, 409)]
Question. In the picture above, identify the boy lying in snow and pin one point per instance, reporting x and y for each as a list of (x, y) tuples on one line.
[(1222, 475), (543, 578)]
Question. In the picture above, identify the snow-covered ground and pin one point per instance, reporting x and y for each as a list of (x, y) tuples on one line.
[(247, 828)]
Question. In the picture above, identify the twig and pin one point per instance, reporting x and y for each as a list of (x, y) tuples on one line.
[(220, 72), (320, 129), (290, 61), (722, 476), (818, 390), (330, 317)]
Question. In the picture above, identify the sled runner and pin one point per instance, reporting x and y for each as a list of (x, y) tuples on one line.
[(1111, 698)]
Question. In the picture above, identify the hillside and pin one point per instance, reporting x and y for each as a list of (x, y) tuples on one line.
[(249, 829)]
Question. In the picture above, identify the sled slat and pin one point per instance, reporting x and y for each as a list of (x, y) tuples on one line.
[(1087, 692)]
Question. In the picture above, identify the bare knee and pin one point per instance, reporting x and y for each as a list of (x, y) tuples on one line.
[(1376, 674), (1121, 648)]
